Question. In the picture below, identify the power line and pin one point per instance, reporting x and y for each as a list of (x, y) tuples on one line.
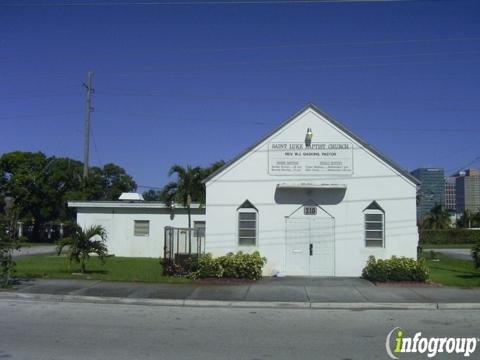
[(35, 96), (301, 61), (96, 147), (449, 130), (159, 94), (38, 115), (200, 2), (150, 187), (307, 61), (476, 159), (393, 129), (306, 67), (340, 43)]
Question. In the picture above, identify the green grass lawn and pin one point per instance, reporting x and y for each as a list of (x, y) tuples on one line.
[(114, 269), (449, 271)]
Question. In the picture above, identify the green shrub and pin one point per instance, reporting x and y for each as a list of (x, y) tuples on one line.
[(239, 266), (396, 269), (208, 267), (169, 268), (451, 236), (181, 266)]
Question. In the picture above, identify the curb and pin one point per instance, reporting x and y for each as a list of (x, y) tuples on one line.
[(376, 306), (238, 304)]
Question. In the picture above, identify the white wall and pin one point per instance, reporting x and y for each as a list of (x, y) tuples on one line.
[(372, 179), (119, 223)]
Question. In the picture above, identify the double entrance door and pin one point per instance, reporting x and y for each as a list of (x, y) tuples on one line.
[(310, 246)]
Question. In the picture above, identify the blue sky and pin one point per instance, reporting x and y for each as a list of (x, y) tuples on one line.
[(195, 83)]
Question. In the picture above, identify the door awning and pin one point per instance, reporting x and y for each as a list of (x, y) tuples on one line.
[(303, 185)]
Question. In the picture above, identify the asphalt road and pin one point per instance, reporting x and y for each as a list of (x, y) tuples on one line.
[(55, 330)]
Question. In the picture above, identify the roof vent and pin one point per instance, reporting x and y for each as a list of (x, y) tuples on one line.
[(131, 196)]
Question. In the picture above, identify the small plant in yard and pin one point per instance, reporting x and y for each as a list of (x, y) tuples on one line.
[(476, 255), (170, 268), (395, 269), (8, 243), (84, 242)]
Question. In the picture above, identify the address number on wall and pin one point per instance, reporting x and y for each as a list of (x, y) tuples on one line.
[(310, 210)]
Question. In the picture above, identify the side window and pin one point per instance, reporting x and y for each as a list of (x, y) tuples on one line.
[(247, 215), (374, 218), (141, 228), (199, 228)]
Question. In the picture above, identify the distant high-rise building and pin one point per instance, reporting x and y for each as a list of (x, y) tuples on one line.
[(467, 188), (450, 194), (431, 191)]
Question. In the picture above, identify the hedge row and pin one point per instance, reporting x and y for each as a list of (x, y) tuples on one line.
[(452, 236), (239, 266), (395, 269)]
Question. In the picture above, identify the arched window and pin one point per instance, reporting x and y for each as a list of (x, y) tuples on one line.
[(374, 218), (247, 215)]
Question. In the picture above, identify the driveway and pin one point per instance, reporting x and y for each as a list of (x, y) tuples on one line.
[(462, 254), (35, 250)]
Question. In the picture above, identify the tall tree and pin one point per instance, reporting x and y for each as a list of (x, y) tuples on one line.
[(27, 182), (116, 181), (42, 185), (153, 195), (186, 188), (438, 219), (469, 219)]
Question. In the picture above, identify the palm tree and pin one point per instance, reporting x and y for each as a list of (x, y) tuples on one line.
[(84, 242), (469, 219), (438, 219), (186, 188)]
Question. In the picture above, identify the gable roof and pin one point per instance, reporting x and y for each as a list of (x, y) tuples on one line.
[(247, 205), (374, 206), (335, 123)]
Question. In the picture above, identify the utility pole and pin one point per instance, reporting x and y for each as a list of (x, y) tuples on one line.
[(86, 133)]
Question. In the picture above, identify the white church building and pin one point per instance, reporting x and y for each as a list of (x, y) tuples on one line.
[(314, 199), (311, 196)]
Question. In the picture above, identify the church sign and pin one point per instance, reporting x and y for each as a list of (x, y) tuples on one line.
[(315, 159)]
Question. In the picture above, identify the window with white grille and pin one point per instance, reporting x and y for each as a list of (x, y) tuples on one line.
[(374, 228), (141, 227)]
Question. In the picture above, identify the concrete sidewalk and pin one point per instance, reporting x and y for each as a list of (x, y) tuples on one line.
[(286, 292)]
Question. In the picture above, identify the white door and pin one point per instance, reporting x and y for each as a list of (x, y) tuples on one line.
[(298, 234), (322, 256), (310, 247)]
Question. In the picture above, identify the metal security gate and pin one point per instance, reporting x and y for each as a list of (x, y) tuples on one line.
[(310, 246), (183, 242)]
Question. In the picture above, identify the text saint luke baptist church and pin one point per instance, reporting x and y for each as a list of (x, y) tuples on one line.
[(314, 199), (311, 196)]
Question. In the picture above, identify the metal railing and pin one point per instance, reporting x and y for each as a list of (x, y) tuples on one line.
[(183, 242)]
